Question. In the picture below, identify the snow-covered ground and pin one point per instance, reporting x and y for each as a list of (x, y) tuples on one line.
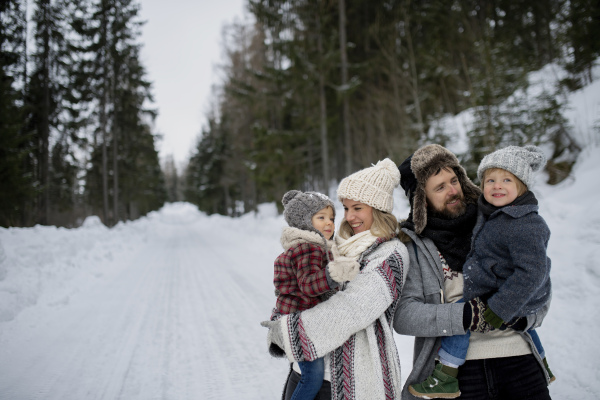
[(168, 306)]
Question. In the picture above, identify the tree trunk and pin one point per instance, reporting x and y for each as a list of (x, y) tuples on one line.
[(345, 104), (45, 122), (414, 77), (115, 175), (323, 111), (103, 116), (115, 144)]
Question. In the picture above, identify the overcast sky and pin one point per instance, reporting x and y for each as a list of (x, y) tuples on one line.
[(181, 47)]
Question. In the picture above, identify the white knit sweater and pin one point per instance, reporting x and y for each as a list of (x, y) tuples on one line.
[(354, 328)]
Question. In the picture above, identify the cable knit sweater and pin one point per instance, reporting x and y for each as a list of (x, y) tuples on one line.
[(354, 327)]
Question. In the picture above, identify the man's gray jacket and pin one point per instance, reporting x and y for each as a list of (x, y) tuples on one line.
[(423, 314)]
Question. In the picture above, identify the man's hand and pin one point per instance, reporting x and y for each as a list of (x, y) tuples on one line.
[(477, 322), (518, 324)]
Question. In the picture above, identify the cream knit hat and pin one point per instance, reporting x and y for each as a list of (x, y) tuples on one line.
[(373, 186)]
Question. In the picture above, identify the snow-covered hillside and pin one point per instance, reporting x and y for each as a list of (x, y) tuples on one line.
[(169, 306)]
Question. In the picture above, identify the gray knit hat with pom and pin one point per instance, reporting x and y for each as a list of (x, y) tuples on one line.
[(299, 208), (522, 162)]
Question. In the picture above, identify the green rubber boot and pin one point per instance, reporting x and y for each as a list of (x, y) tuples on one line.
[(439, 385), (550, 374)]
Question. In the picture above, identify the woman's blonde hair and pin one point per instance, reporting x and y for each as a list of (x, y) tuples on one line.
[(521, 187), (385, 225)]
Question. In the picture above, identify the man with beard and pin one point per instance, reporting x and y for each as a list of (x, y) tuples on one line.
[(501, 364)]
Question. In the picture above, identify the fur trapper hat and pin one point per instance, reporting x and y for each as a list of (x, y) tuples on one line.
[(373, 186), (522, 162), (299, 208), (420, 166)]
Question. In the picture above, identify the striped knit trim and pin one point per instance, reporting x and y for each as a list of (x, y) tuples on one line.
[(342, 371), (392, 271), (388, 383), (302, 348)]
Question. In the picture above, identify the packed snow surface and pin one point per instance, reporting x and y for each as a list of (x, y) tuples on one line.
[(168, 306)]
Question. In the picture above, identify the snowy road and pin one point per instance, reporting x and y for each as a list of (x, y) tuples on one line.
[(174, 317)]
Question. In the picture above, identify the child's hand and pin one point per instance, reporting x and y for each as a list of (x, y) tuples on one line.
[(343, 269), (492, 319)]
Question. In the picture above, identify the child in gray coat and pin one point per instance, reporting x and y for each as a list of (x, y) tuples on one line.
[(507, 266)]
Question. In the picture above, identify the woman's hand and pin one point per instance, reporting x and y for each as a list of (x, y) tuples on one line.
[(275, 334)]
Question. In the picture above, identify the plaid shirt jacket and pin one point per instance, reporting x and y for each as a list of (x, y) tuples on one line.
[(300, 277)]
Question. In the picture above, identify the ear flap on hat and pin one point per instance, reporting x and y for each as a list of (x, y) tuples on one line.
[(419, 209), (470, 190)]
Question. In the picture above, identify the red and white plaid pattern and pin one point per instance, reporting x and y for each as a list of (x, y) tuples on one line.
[(300, 278)]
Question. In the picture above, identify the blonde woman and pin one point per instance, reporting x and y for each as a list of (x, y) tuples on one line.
[(353, 329)]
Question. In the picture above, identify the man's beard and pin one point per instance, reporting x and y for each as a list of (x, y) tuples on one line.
[(455, 212)]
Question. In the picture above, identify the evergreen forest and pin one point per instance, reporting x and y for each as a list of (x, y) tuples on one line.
[(313, 90), (75, 136)]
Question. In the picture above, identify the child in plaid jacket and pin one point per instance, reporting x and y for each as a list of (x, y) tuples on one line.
[(305, 273)]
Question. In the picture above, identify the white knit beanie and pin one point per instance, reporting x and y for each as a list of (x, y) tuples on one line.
[(373, 186), (522, 162)]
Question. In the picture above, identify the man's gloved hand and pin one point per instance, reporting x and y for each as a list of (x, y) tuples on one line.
[(473, 316), (275, 334), (491, 318), (518, 324)]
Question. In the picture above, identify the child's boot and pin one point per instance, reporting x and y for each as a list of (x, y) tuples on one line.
[(550, 374), (442, 383)]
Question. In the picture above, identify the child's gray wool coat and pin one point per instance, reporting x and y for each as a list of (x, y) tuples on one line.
[(508, 261)]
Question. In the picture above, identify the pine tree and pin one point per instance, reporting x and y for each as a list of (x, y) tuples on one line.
[(45, 93), (582, 21), (205, 170), (17, 189), (172, 180), (125, 180)]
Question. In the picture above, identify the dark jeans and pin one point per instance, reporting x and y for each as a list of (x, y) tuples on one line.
[(292, 382), (311, 379), (507, 378)]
